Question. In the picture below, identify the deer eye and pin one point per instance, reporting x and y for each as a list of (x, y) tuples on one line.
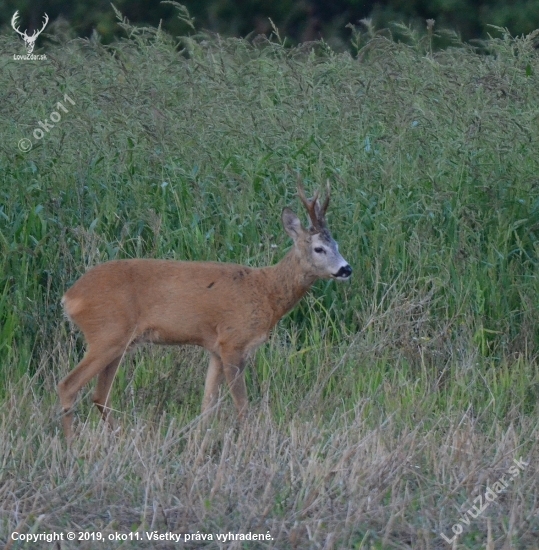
[(319, 250)]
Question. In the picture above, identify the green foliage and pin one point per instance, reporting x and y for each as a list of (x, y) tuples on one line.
[(185, 155)]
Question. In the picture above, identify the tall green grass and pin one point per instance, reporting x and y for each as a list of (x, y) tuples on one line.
[(380, 408)]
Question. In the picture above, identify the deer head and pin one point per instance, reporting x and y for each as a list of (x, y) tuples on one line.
[(29, 41), (317, 248)]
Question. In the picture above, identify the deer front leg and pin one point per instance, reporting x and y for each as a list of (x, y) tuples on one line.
[(214, 378), (233, 366)]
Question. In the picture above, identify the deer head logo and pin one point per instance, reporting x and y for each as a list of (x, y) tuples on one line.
[(29, 41)]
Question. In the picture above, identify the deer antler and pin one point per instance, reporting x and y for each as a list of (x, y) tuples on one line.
[(46, 20), (316, 212), (14, 22), (324, 207), (310, 204)]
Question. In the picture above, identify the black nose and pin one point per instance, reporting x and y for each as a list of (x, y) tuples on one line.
[(344, 272)]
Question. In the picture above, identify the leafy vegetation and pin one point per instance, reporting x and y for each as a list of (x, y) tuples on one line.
[(380, 409)]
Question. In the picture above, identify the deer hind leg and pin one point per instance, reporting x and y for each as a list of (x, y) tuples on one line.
[(214, 378), (233, 366), (95, 360), (101, 395)]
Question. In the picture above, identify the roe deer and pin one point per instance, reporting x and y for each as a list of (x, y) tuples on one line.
[(228, 309)]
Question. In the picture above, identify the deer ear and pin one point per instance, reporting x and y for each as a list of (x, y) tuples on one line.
[(291, 223)]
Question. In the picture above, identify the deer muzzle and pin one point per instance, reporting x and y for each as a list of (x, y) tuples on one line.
[(344, 273)]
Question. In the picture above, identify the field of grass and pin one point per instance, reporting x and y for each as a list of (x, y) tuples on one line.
[(381, 410)]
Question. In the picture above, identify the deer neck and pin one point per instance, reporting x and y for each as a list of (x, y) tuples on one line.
[(287, 283)]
